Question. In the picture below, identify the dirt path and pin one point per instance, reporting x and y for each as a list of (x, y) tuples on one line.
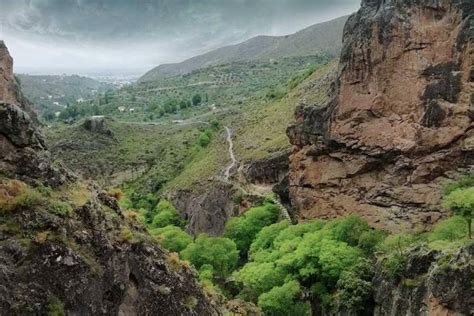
[(231, 154)]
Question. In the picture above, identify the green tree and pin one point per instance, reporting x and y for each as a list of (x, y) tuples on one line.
[(354, 287), (166, 218), (172, 238), (204, 140), (461, 202), (243, 229), (196, 99), (283, 301), (257, 278), (451, 229), (219, 252)]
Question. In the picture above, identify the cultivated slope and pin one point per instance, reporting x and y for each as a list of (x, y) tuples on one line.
[(320, 38)]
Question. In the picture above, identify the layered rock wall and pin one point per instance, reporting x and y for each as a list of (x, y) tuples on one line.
[(399, 122)]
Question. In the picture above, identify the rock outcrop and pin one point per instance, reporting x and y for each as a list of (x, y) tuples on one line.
[(22, 147), (206, 212), (66, 247), (97, 124), (399, 121), (431, 283)]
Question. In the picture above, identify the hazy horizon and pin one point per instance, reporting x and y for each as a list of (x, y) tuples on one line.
[(85, 36)]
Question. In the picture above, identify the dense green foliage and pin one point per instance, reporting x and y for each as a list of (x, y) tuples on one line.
[(461, 202), (243, 229), (284, 268), (218, 252), (172, 238), (283, 300)]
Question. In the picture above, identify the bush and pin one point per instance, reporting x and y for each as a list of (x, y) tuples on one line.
[(243, 229), (165, 214), (451, 229), (15, 194), (370, 240), (461, 202), (55, 307), (219, 252), (196, 99), (60, 208), (283, 300), (126, 234), (167, 218), (172, 238), (205, 138), (347, 229), (394, 265), (116, 193), (354, 287), (463, 182)]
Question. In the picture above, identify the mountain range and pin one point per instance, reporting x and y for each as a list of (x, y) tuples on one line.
[(321, 38)]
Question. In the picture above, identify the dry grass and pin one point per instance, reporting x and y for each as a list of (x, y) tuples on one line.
[(15, 193)]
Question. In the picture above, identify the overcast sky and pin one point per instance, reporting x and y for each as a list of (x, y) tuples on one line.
[(67, 35)]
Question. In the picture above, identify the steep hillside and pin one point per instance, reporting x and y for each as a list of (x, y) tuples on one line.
[(322, 38), (52, 93), (399, 122), (65, 246)]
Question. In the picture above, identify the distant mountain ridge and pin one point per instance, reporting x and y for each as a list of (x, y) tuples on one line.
[(319, 38)]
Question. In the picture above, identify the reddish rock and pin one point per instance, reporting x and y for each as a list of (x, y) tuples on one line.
[(398, 122)]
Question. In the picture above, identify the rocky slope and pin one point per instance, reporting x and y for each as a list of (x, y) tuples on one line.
[(68, 247), (431, 283), (319, 38), (399, 121)]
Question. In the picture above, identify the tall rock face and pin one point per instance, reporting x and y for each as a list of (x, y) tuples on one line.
[(22, 148), (66, 247), (399, 121)]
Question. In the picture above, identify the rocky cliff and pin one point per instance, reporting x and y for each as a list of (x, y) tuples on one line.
[(399, 121), (432, 282), (66, 247)]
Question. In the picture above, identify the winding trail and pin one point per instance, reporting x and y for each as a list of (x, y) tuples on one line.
[(231, 153), (283, 210)]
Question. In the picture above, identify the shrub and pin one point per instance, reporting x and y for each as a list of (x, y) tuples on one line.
[(116, 193), (14, 194), (60, 208), (167, 218), (354, 287), (126, 234), (204, 140), (397, 243), (466, 181), (394, 265), (219, 252), (370, 240), (451, 229), (172, 238), (347, 229), (196, 99), (461, 202), (55, 307), (173, 262)]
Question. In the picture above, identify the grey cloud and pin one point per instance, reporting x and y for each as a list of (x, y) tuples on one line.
[(103, 31)]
